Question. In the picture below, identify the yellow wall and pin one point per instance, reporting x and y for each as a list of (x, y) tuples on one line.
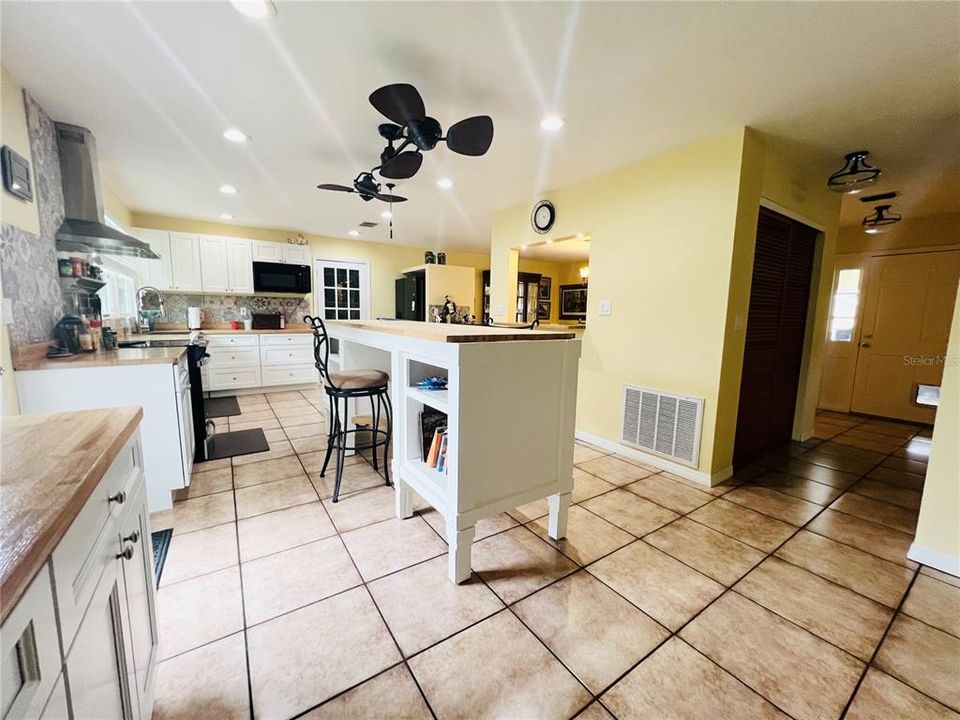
[(938, 527), (386, 261), (672, 243), (114, 206), (910, 233), (13, 132)]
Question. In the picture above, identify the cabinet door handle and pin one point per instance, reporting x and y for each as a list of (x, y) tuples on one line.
[(132, 537), (126, 554), (120, 498)]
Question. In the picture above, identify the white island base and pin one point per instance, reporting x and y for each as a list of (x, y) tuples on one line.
[(510, 403)]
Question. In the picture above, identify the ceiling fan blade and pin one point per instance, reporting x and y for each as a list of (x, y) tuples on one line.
[(471, 136), (402, 166), (399, 102), (338, 188), (390, 198)]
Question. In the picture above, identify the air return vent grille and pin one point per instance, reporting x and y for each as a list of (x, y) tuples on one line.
[(662, 423)]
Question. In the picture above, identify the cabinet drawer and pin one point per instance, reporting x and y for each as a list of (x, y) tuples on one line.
[(29, 651), (292, 355), (232, 341), (221, 357), (288, 374), (234, 378), (287, 339), (90, 542)]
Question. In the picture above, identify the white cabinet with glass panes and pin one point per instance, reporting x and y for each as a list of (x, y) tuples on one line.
[(342, 290)]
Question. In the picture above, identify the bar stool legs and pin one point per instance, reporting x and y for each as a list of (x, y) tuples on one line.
[(338, 434)]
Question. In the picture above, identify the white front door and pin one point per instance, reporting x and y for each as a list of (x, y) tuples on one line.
[(342, 289), (907, 311), (843, 335)]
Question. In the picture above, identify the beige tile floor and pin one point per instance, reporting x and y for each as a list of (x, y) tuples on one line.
[(783, 593)]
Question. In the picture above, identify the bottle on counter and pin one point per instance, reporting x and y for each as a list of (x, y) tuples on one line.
[(86, 339), (283, 321), (96, 333)]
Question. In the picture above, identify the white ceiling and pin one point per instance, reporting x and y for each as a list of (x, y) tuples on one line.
[(159, 82), (562, 251)]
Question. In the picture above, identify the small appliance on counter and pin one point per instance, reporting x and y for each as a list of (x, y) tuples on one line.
[(194, 318), (246, 318), (268, 321)]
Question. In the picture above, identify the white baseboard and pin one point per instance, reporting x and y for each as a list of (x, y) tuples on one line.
[(689, 473), (935, 559)]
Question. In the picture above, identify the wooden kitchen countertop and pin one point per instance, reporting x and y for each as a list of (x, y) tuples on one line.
[(441, 332), (49, 466), (108, 358)]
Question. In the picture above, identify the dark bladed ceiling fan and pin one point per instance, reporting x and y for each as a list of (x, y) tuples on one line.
[(366, 186), (411, 126)]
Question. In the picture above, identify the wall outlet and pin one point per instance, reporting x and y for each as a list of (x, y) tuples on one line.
[(606, 307)]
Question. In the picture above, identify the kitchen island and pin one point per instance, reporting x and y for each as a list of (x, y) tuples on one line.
[(510, 403)]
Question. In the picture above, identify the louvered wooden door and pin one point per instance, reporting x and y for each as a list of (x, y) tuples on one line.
[(776, 324)]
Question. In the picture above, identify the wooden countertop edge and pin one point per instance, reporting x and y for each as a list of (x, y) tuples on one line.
[(428, 331), (16, 581)]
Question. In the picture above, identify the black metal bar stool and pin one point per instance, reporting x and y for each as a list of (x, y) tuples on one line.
[(344, 386)]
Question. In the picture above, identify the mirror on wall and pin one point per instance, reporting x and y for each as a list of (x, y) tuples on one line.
[(552, 281)]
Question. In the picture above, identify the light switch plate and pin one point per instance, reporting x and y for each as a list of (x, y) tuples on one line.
[(606, 307), (500, 310)]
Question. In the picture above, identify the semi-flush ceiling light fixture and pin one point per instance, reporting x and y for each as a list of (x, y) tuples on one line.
[(226, 216), (228, 190), (234, 135), (855, 175), (552, 123), (257, 9), (880, 220)]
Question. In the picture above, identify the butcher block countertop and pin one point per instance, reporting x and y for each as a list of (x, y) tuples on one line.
[(440, 332), (50, 465), (106, 358)]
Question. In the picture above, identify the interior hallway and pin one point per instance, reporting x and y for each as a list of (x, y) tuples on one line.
[(786, 590)]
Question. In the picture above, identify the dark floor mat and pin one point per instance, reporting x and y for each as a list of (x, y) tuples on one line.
[(221, 407), (238, 442), (161, 543)]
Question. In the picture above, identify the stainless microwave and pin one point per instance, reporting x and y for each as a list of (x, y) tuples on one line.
[(281, 278)]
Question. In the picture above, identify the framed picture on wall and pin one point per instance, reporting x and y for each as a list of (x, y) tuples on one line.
[(543, 310), (546, 285), (573, 302)]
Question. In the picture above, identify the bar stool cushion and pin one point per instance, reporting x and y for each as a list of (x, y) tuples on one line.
[(358, 379)]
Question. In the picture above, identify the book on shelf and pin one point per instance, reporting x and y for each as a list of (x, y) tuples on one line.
[(442, 455), (438, 435), (430, 420)]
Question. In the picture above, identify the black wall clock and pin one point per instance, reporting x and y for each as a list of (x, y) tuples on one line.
[(543, 216)]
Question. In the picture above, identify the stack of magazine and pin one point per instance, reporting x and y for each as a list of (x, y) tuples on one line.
[(433, 434)]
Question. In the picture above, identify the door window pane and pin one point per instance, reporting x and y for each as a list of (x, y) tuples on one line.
[(843, 311), (355, 278), (328, 276)]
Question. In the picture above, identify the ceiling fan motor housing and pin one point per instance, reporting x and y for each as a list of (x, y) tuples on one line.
[(425, 133)]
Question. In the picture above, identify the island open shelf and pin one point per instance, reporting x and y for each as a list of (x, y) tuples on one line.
[(510, 403)]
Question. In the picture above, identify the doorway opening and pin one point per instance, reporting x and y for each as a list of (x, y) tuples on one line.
[(776, 333), (552, 281)]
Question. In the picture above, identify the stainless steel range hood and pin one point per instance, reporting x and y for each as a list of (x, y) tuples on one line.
[(83, 229)]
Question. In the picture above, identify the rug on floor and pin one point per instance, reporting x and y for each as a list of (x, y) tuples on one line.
[(221, 407), (161, 543)]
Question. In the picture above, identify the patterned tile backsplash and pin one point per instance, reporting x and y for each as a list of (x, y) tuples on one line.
[(219, 309), (28, 262)]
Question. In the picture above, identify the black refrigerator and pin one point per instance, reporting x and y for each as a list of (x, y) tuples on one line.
[(411, 296)]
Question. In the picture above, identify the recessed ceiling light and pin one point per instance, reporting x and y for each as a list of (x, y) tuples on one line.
[(234, 135), (522, 248), (258, 9), (552, 123), (445, 183), (226, 216), (386, 214), (228, 190), (549, 242), (354, 233)]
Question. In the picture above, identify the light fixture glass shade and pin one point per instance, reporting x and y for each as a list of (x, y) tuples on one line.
[(880, 220), (855, 175), (584, 272)]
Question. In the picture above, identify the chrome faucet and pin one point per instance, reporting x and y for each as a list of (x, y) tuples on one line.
[(148, 315)]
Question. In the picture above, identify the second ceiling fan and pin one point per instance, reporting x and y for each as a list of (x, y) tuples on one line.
[(411, 126)]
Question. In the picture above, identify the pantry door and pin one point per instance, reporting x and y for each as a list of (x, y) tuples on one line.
[(906, 324), (342, 289)]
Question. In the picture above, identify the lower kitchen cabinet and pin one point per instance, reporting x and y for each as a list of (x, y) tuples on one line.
[(251, 360), (110, 643)]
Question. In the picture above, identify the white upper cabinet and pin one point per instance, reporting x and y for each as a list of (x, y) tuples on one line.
[(267, 251), (296, 254), (213, 264), (185, 262), (240, 265), (155, 272), (226, 264)]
